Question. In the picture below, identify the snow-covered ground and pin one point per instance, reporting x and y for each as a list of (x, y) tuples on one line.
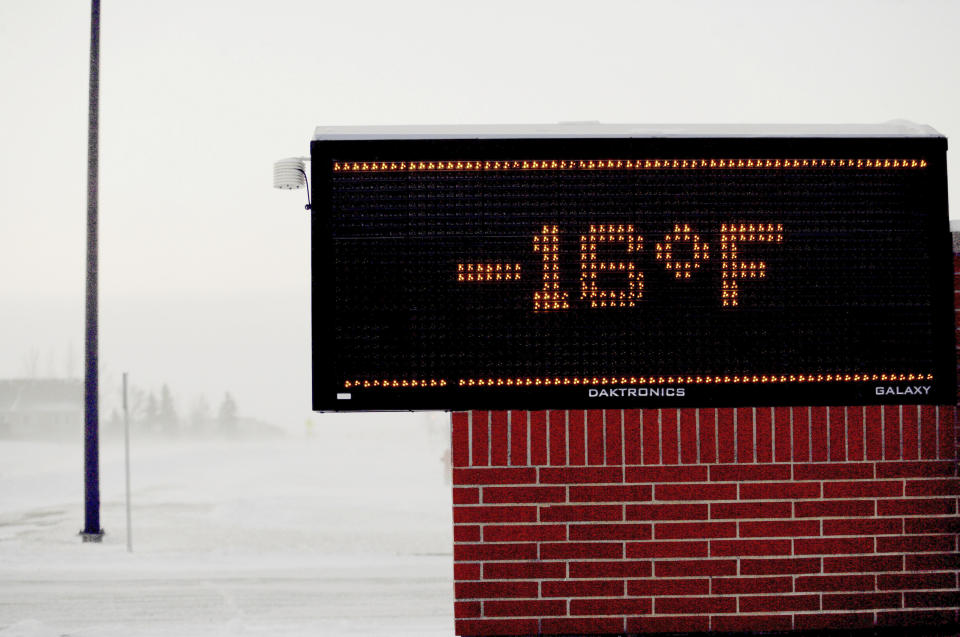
[(345, 530)]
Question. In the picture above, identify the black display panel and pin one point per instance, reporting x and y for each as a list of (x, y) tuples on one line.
[(594, 273)]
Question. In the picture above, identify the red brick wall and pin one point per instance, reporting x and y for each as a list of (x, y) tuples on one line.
[(691, 520)]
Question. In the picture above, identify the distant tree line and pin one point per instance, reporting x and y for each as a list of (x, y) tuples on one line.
[(158, 412)]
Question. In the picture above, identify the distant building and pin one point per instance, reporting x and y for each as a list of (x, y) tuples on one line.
[(41, 407)]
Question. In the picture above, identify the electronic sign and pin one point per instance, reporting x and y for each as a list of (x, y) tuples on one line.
[(630, 271)]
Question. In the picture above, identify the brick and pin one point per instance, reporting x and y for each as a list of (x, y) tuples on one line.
[(729, 510), (782, 435), (581, 475), (928, 431), (463, 533), (632, 436), (833, 471), (462, 495), (855, 434), (480, 627), (862, 526), (687, 530), (570, 625), (833, 621), (525, 533), (666, 474), (668, 586), (524, 570), (917, 506), (582, 588), (837, 433), (521, 495), (942, 599), (763, 422), (669, 437), (470, 514), (863, 489), (780, 490), (873, 425), (499, 438), (486, 551), (703, 491), (860, 601), (708, 435), (932, 525), (761, 603), (783, 528), (557, 437), (676, 624), (524, 608), (738, 585), (694, 605), (481, 590), (518, 438), (744, 424), (751, 623), (834, 583), (657, 549), (466, 609), (651, 436), (891, 432), (581, 513), (524, 475), (610, 607), (619, 568), (947, 486), (779, 566), (801, 434), (917, 618), (922, 469), (688, 436), (460, 438), (863, 564), (910, 425), (614, 437), (907, 582), (538, 437), (753, 472), (464, 571), (725, 436), (833, 508), (480, 439), (581, 550), (946, 427), (916, 543), (722, 548), (610, 532), (595, 454), (618, 493), (577, 437), (700, 568), (667, 512)]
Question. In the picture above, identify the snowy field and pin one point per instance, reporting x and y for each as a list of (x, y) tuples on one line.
[(344, 530)]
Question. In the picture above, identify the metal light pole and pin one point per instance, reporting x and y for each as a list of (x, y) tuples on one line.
[(91, 465)]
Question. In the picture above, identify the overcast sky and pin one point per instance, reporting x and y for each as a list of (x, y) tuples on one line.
[(204, 267)]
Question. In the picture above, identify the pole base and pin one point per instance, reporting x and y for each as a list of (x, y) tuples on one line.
[(91, 537)]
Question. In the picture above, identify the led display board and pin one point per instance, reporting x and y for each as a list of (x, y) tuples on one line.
[(531, 272)]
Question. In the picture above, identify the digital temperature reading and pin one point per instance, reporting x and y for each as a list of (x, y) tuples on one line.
[(635, 271)]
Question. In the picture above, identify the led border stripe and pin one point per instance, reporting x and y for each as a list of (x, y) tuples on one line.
[(590, 381), (628, 164)]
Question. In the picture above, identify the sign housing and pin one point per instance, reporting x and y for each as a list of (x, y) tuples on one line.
[(608, 266)]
